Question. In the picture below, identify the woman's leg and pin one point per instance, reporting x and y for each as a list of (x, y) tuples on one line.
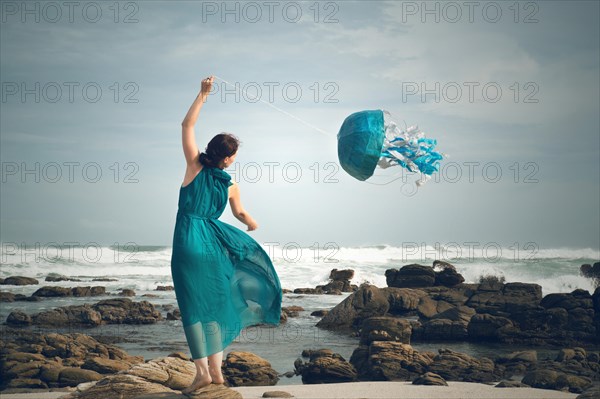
[(214, 367), (202, 378), (197, 342)]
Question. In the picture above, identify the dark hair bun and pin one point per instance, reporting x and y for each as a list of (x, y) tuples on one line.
[(207, 160)]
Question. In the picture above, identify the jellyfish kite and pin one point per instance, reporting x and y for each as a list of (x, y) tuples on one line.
[(371, 138)]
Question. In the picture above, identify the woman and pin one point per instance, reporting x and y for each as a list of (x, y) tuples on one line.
[(223, 279)]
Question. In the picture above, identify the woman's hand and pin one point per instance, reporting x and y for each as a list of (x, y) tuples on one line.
[(252, 225), (206, 86)]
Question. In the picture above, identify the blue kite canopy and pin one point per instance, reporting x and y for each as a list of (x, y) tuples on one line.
[(360, 140), (371, 138)]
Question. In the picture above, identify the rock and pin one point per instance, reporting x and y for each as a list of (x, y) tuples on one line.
[(163, 377), (456, 366), (320, 312), (248, 369), (126, 311), (527, 290), (104, 279), (451, 324), (517, 362), (514, 297), (510, 384), (576, 299), (277, 394), (566, 354), (447, 274), (122, 386), (439, 265), (326, 367), (212, 391), (180, 355), (410, 276), (310, 291), (550, 379), (590, 393), (521, 356), (403, 301), (72, 376), (58, 277), (448, 278), (461, 314), (596, 300), (429, 379), (488, 327), (50, 373), (20, 280), (312, 354), (21, 297), (54, 359), (165, 288), (443, 329), (385, 329), (335, 288), (174, 315), (388, 360), (367, 301), (490, 283), (292, 311), (18, 318), (592, 272), (52, 292), (455, 296), (31, 383), (172, 372), (339, 281), (68, 316), (7, 296), (126, 292), (544, 379), (88, 291), (105, 366), (341, 275), (567, 317), (573, 383)]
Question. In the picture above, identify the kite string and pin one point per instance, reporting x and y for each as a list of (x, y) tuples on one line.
[(301, 121), (275, 107)]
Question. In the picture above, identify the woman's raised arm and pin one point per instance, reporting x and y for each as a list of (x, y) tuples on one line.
[(188, 138)]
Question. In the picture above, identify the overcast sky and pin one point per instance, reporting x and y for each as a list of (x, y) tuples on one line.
[(509, 90)]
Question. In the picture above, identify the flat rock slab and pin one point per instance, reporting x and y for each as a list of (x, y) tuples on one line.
[(213, 391)]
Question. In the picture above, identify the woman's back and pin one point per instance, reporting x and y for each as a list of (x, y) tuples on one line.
[(206, 195)]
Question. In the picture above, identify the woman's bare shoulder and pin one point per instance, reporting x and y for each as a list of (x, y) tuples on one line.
[(190, 173)]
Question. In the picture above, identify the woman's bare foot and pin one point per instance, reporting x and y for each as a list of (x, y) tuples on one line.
[(199, 382), (217, 376)]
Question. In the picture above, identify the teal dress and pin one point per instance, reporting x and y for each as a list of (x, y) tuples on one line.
[(223, 279)]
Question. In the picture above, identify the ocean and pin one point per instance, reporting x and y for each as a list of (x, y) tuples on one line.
[(143, 268)]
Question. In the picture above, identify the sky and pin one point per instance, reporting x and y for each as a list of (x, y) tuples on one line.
[(93, 96)]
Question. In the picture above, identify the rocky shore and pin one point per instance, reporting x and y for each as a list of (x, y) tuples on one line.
[(421, 304), (439, 306)]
